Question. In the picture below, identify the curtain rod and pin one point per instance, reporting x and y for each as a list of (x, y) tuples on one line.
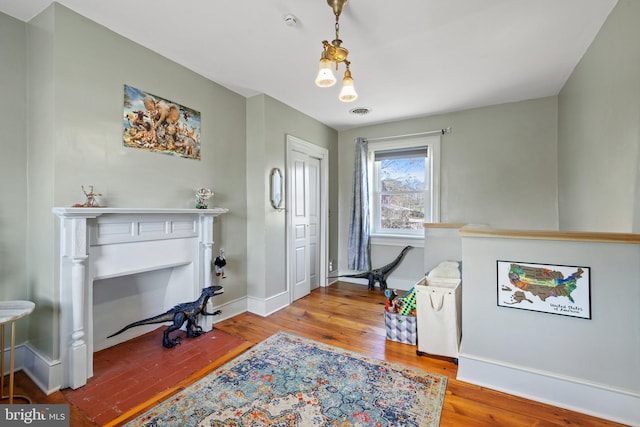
[(431, 132)]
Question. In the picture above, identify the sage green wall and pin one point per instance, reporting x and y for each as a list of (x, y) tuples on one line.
[(79, 70), (41, 126), (13, 145), (268, 123), (257, 182), (599, 130), (498, 167)]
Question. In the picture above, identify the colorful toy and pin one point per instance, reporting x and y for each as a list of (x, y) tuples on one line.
[(409, 303), (405, 306), (390, 305)]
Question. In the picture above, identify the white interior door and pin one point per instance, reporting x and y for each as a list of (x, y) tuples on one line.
[(299, 175), (313, 166), (307, 213)]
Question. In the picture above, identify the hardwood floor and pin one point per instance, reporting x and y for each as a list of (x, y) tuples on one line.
[(351, 317)]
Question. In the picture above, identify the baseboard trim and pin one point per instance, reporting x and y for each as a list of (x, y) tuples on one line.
[(230, 309), (44, 372), (18, 361), (265, 307), (399, 284), (598, 400)]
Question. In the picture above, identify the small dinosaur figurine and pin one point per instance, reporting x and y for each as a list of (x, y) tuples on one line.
[(379, 274), (185, 312)]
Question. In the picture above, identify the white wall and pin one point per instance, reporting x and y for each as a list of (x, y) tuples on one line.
[(599, 130)]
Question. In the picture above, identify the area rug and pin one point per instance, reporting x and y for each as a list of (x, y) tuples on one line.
[(133, 372), (287, 380)]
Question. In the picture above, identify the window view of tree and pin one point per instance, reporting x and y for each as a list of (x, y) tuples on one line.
[(403, 187)]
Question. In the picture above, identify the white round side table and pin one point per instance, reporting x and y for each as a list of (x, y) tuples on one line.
[(10, 311)]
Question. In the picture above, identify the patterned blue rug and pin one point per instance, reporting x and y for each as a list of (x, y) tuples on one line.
[(288, 381)]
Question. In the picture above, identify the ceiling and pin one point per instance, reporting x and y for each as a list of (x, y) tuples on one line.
[(409, 58)]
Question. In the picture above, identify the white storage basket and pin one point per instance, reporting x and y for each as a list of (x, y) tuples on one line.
[(438, 309)]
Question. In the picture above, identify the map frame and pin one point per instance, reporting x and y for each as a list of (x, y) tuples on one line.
[(563, 290)]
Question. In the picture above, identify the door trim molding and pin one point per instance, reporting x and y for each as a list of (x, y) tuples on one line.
[(321, 153)]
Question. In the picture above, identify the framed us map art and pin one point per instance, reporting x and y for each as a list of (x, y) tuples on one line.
[(555, 289)]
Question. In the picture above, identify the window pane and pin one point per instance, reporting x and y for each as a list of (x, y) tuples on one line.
[(403, 174), (402, 193), (402, 212)]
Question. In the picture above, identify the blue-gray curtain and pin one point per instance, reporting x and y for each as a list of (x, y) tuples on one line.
[(359, 231)]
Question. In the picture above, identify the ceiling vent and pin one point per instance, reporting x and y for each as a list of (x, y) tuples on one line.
[(360, 111)]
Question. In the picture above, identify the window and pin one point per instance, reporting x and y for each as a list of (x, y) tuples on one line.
[(404, 185)]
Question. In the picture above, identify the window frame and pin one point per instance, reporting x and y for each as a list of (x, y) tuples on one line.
[(432, 142)]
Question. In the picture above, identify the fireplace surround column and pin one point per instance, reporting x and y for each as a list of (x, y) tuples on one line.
[(206, 241), (74, 254)]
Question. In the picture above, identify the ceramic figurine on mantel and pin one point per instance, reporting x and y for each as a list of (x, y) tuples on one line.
[(91, 198), (202, 195)]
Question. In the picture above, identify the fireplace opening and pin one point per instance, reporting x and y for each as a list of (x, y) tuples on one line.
[(119, 301)]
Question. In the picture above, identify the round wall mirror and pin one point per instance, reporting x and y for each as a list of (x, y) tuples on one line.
[(276, 188)]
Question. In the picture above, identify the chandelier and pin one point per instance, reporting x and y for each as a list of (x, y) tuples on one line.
[(334, 52)]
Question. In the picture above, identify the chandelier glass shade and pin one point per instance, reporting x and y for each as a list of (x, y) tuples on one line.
[(348, 93), (325, 76), (334, 53)]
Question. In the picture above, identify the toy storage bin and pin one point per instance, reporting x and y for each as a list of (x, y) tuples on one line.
[(438, 308), (400, 328)]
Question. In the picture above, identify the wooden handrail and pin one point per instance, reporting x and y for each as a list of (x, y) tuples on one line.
[(575, 236), (443, 225)]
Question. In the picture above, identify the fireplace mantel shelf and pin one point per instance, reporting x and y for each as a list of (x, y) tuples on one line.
[(95, 212)]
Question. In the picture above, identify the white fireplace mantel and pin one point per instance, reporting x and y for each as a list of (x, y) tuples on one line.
[(95, 212), (98, 243)]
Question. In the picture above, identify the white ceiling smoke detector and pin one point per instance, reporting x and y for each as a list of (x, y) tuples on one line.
[(290, 20)]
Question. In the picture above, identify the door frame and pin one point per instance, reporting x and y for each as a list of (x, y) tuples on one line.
[(321, 153)]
